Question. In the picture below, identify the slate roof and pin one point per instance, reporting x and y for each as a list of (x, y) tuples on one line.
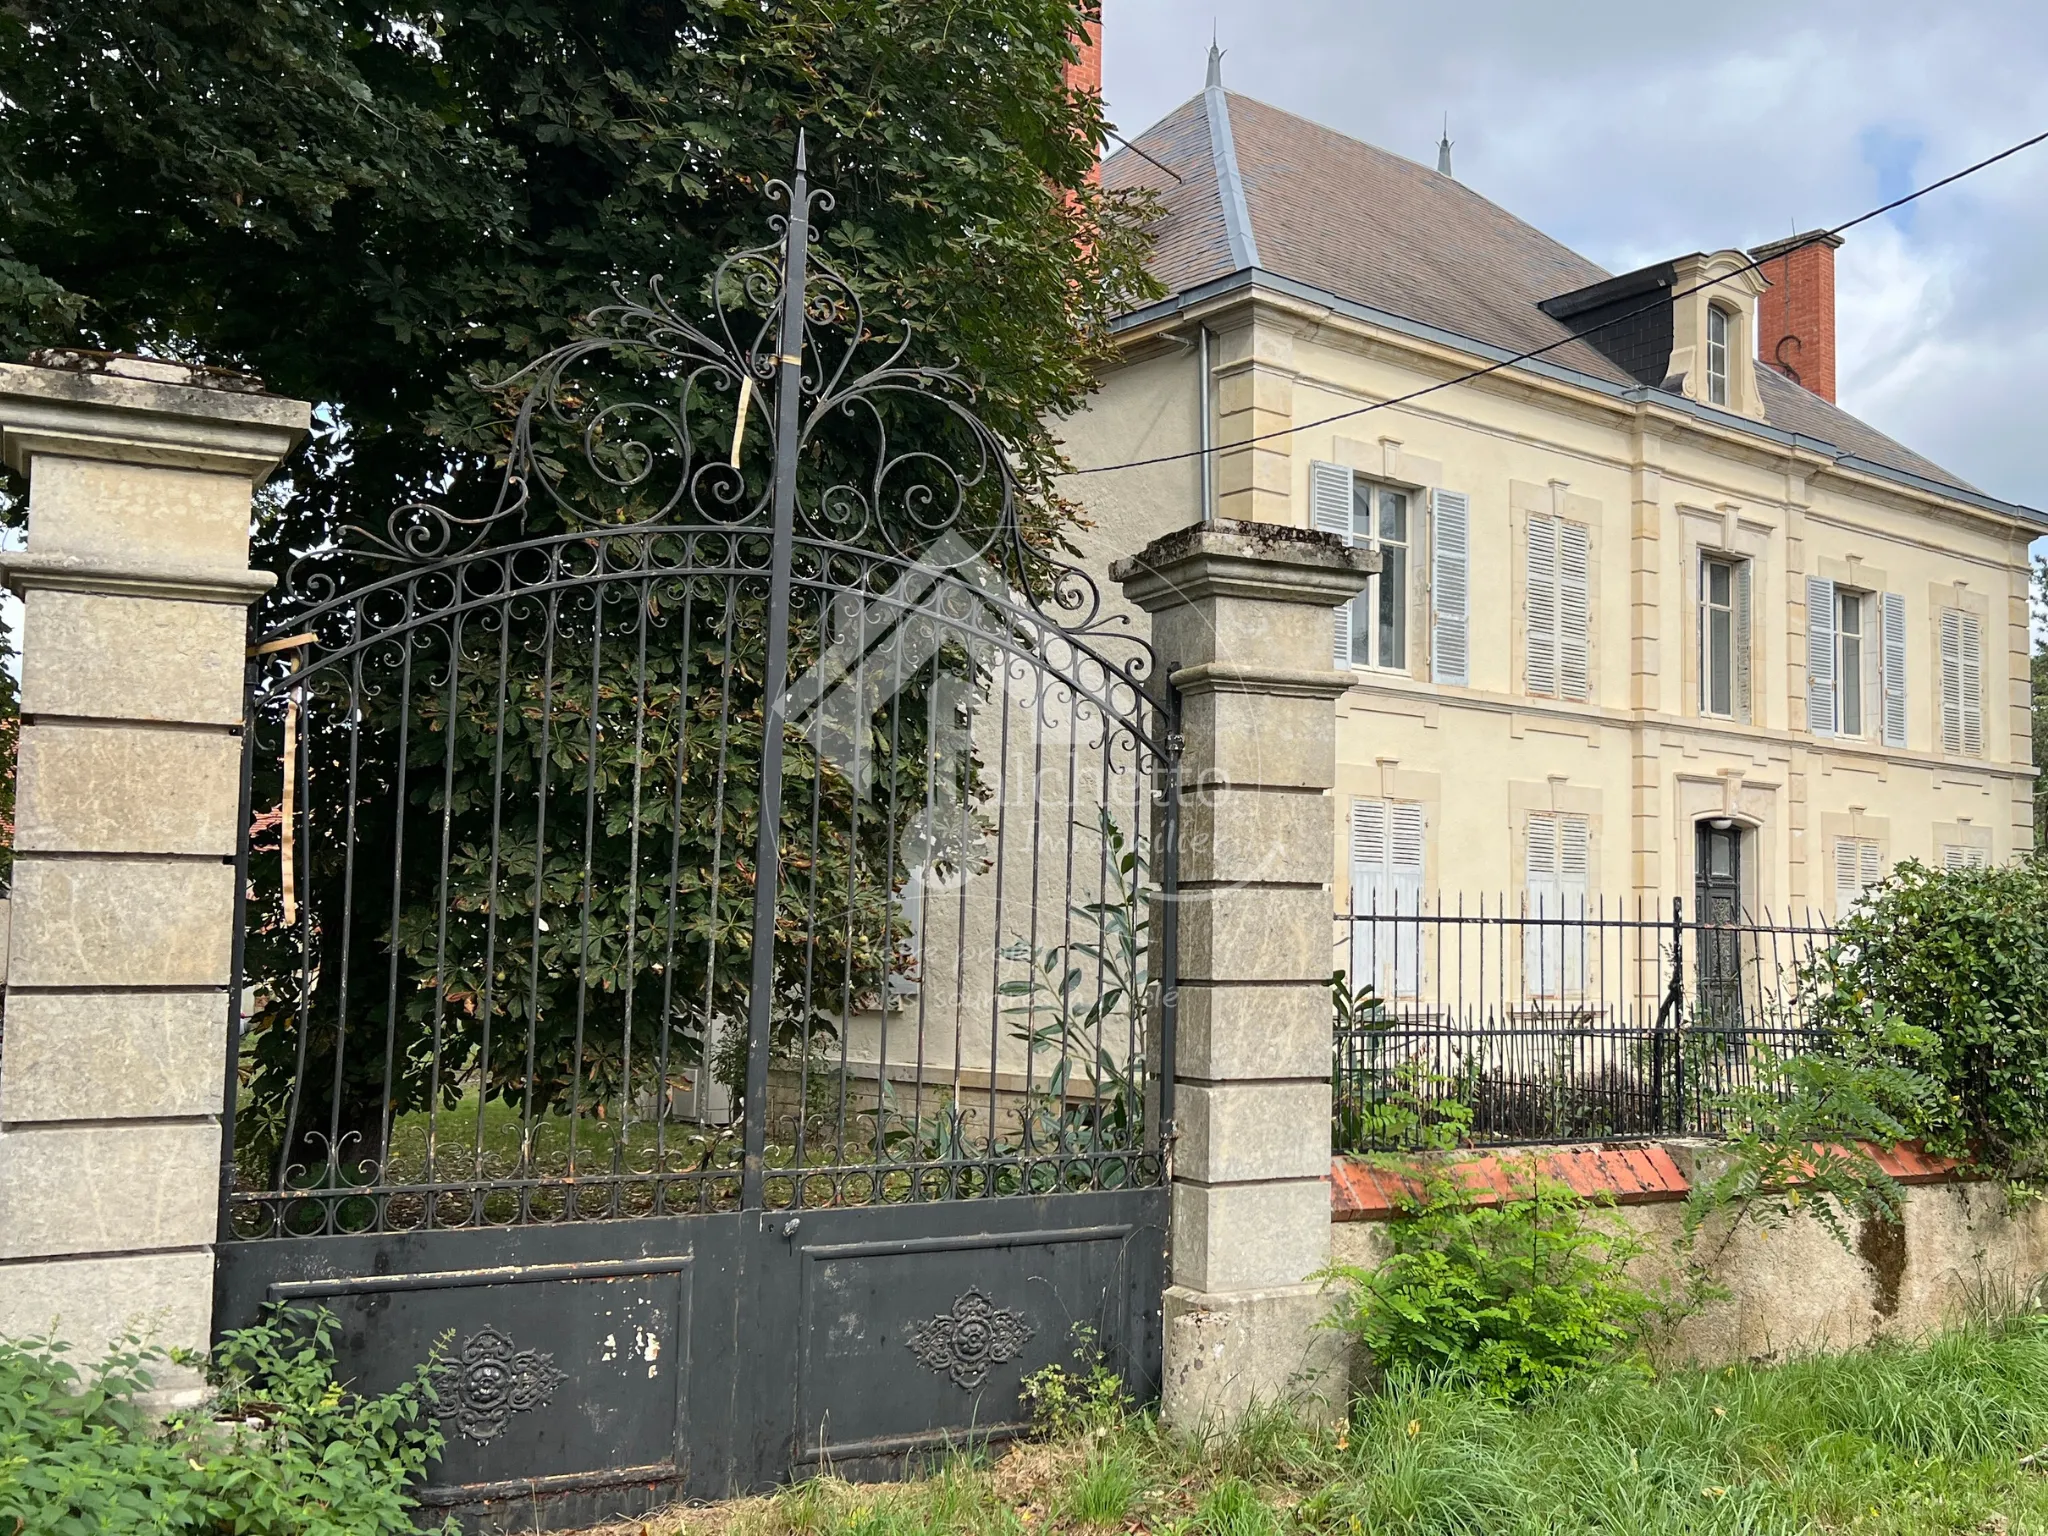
[(1352, 220)]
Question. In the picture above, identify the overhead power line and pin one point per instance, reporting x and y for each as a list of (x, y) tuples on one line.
[(1534, 352)]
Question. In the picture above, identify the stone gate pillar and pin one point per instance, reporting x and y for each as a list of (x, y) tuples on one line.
[(136, 586), (1241, 616)]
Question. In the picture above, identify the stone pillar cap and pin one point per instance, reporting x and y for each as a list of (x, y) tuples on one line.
[(1227, 557), (142, 411)]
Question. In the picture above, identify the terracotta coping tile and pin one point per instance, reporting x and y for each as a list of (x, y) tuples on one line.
[(1639, 1174)]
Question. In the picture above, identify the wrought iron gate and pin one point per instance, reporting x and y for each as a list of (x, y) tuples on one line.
[(709, 926)]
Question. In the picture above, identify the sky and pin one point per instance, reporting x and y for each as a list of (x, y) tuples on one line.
[(1635, 132)]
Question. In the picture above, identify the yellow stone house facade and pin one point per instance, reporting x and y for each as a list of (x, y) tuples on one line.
[(1654, 620)]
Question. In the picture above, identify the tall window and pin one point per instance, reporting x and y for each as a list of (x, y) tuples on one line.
[(1850, 609), (1855, 662), (1717, 355), (1724, 637), (1962, 683), (1379, 614)]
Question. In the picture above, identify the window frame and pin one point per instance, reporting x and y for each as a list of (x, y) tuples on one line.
[(1853, 682), (1741, 621), (1365, 608), (1718, 377)]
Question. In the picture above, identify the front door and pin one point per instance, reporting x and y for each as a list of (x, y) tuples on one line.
[(1717, 896)]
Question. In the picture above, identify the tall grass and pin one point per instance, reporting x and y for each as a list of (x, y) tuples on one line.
[(1884, 1442)]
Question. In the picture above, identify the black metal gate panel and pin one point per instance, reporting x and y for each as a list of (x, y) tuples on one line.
[(607, 1368), (706, 970)]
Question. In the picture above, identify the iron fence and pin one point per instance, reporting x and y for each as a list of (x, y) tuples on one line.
[(1498, 1023)]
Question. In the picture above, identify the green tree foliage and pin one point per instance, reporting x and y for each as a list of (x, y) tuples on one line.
[(1945, 972), (372, 204), (389, 210)]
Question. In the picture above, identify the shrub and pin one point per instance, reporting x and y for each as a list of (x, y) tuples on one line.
[(289, 1453), (1960, 957), (1512, 1298)]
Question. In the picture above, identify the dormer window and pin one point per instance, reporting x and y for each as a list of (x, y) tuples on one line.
[(1717, 355)]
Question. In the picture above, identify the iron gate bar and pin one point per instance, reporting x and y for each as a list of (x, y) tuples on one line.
[(775, 683)]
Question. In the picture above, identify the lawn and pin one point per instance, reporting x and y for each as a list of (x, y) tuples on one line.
[(1940, 1437)]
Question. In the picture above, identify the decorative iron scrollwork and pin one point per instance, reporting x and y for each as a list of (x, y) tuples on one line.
[(967, 1342), (488, 1380)]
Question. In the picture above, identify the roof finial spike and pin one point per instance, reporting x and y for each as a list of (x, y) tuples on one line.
[(1443, 149), (1215, 82)]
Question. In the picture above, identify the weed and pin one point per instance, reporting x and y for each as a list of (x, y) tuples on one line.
[(1102, 1492)]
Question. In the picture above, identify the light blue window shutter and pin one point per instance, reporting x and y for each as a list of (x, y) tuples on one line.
[(1404, 862), (1542, 604), (1574, 611), (1329, 505), (1820, 656), (1892, 618), (1744, 709), (1450, 583)]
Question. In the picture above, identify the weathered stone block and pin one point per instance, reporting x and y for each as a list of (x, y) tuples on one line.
[(93, 1304), (106, 789), (1237, 1132), (172, 516), (1237, 1237), (121, 922), (1281, 1029), (108, 1188), (1255, 933), (132, 658), (1229, 1354), (113, 1055), (1261, 835), (1243, 629), (1240, 738)]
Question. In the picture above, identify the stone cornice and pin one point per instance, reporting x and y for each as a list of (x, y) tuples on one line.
[(26, 570), (1230, 558), (58, 412)]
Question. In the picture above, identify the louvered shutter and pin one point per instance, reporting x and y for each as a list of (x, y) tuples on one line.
[(1973, 686), (1574, 851), (1962, 856), (1329, 504), (1574, 610), (1404, 866), (1542, 601), (1869, 867), (1368, 853), (1742, 642), (1820, 656), (1847, 887), (1540, 903), (1891, 609), (1450, 582), (1386, 887), (1951, 680)]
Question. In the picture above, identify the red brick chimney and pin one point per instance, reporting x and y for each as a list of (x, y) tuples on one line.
[(1084, 75), (1795, 318)]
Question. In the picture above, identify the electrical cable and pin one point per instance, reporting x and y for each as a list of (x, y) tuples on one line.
[(1535, 352)]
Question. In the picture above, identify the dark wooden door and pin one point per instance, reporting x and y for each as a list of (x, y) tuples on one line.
[(1717, 897)]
